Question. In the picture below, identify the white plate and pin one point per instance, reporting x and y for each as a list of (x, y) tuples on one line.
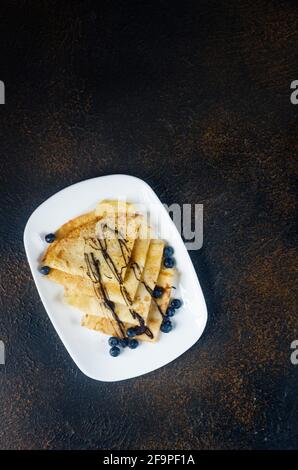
[(89, 349)]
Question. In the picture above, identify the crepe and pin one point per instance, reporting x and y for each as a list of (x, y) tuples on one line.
[(107, 206), (93, 306), (109, 263), (68, 253), (71, 232), (82, 294), (158, 308), (148, 279)]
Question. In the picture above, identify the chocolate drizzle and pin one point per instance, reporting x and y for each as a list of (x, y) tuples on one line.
[(101, 245), (93, 271), (143, 328), (135, 268)]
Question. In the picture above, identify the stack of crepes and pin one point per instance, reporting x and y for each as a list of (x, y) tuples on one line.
[(109, 264)]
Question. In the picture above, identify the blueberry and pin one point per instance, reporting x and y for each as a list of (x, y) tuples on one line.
[(169, 262), (176, 303), (124, 342), (131, 332), (157, 292), (45, 270), (50, 237), (114, 351), (113, 341), (166, 326), (170, 312), (168, 251), (133, 344)]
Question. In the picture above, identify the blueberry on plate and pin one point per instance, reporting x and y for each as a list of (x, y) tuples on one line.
[(157, 292), (170, 312), (169, 262), (45, 270), (166, 326), (133, 344), (115, 351), (113, 341), (50, 237), (168, 251), (176, 303), (124, 342), (131, 332)]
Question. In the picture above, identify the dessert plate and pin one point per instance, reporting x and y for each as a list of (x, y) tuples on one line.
[(89, 349)]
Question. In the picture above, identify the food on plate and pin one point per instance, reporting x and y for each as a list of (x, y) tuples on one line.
[(116, 272)]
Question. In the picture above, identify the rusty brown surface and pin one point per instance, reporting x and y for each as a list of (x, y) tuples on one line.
[(194, 99)]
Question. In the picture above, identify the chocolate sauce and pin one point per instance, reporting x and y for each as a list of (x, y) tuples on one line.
[(135, 266), (93, 269), (122, 243), (93, 272), (143, 328)]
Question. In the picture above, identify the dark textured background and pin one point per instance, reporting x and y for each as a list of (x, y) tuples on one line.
[(193, 97)]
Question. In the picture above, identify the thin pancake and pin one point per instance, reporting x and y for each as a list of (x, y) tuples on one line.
[(112, 206), (109, 326), (87, 301), (148, 279), (93, 306), (103, 208), (138, 256), (85, 286), (68, 253)]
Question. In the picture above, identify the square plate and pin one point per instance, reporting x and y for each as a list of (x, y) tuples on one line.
[(89, 349)]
